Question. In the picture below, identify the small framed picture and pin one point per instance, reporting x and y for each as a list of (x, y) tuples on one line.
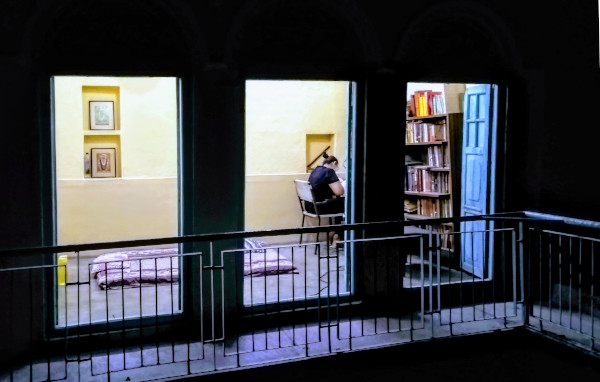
[(102, 115), (104, 163)]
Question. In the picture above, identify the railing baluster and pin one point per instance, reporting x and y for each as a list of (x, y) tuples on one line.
[(473, 275), (514, 273), (122, 312), (540, 286), (278, 298), (141, 327), (438, 251), (484, 254), (570, 282), (493, 272), (294, 296), (592, 280), (265, 302), (550, 277), (580, 286), (305, 303), (560, 271), (155, 308), (31, 326), (430, 255), (172, 316)]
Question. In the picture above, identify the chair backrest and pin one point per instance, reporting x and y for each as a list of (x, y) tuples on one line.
[(303, 190)]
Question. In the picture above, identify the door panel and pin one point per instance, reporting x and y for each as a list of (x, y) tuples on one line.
[(474, 176)]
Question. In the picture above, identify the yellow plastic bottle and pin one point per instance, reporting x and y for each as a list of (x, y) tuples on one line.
[(62, 269)]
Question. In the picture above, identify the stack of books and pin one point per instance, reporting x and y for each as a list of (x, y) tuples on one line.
[(426, 102)]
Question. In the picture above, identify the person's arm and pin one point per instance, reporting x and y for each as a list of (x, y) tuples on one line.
[(337, 188), (334, 183)]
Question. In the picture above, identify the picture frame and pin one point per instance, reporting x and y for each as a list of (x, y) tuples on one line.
[(104, 162), (102, 115)]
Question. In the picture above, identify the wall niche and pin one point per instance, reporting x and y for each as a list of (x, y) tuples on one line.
[(101, 131)]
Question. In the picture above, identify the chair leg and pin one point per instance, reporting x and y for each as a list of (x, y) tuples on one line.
[(330, 223), (303, 217), (319, 224), (317, 239)]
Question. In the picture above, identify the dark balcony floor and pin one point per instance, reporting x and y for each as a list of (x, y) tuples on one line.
[(515, 355)]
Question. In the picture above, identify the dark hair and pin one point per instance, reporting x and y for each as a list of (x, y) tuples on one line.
[(330, 159)]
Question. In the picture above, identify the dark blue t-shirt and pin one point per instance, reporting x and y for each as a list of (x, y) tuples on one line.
[(320, 179)]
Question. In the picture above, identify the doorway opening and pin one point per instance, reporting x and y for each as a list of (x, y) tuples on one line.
[(451, 139), (116, 178), (291, 126)]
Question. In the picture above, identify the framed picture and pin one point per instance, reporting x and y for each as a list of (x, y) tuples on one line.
[(102, 115), (104, 163)]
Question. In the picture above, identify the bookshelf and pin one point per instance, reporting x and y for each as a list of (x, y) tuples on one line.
[(432, 184)]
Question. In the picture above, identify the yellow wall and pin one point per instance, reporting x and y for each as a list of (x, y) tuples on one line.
[(279, 115), (142, 202)]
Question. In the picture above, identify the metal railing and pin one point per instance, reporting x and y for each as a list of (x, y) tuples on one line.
[(563, 279), (203, 303)]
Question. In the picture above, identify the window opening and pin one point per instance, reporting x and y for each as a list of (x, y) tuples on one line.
[(116, 166), (290, 125)]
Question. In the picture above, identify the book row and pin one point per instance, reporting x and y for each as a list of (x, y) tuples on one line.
[(446, 236), (434, 208), (426, 102), (422, 179), (421, 132), (436, 157)]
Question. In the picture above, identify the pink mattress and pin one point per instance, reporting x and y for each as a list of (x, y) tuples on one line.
[(264, 262), (158, 266), (136, 267)]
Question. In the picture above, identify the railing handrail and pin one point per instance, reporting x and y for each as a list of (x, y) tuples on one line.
[(520, 215), (564, 219)]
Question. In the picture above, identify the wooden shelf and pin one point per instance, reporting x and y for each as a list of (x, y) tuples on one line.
[(428, 168), (409, 216), (426, 143), (437, 116), (427, 194)]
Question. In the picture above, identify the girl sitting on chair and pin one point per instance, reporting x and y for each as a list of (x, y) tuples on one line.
[(328, 192)]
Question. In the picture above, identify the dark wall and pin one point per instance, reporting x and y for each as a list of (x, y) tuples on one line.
[(545, 55)]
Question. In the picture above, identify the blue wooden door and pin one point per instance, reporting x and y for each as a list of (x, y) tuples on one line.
[(475, 177)]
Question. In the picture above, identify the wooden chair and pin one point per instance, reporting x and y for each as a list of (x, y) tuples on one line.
[(305, 194)]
